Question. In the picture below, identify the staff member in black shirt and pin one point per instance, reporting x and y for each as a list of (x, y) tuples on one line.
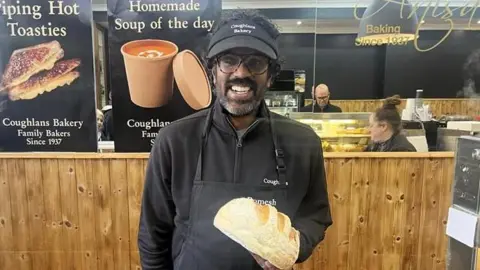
[(385, 129), (321, 101), (234, 149)]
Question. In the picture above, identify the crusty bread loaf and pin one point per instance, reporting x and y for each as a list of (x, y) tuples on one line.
[(261, 230)]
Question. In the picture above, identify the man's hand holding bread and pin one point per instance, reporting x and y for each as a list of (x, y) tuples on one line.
[(264, 263), (262, 230)]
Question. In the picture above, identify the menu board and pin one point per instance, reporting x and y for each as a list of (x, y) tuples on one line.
[(47, 94), (152, 46)]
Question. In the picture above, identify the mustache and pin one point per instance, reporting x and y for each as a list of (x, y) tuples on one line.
[(243, 82)]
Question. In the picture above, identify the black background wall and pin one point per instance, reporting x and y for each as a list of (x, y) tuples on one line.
[(353, 72), (297, 53), (438, 72)]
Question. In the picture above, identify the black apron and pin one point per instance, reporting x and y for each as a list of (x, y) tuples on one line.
[(205, 247)]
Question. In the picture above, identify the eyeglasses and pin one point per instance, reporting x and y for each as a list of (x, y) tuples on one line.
[(323, 98), (256, 64)]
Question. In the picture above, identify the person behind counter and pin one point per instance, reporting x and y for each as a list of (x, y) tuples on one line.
[(385, 129), (236, 148), (321, 103)]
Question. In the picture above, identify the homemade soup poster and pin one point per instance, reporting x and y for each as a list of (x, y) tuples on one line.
[(147, 41)]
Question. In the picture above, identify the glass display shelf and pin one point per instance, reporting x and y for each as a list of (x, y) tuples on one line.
[(340, 132)]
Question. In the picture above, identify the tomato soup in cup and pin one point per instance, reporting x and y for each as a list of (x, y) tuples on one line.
[(148, 65)]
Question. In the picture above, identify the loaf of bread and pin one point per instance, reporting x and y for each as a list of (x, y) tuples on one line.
[(261, 229)]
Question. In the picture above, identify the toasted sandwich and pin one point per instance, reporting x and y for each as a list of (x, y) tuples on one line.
[(61, 74), (26, 62)]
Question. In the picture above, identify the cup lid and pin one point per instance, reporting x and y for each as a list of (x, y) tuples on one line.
[(192, 80)]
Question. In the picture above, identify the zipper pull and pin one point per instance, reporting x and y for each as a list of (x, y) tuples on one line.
[(239, 141)]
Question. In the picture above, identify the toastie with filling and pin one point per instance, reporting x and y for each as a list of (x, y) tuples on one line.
[(61, 74), (26, 62)]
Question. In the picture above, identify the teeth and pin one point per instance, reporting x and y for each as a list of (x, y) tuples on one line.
[(241, 89)]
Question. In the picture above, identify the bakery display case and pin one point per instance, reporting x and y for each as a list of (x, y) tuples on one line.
[(340, 132)]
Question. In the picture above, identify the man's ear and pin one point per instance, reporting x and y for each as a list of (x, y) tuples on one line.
[(384, 125)]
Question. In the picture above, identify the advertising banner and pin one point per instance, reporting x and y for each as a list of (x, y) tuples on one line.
[(47, 93), (157, 76)]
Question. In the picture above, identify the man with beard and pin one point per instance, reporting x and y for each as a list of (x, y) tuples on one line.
[(321, 101), (236, 148)]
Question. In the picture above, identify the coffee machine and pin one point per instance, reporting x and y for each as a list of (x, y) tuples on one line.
[(463, 227)]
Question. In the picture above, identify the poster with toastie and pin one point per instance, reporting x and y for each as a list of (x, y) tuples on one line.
[(47, 89), (157, 74)]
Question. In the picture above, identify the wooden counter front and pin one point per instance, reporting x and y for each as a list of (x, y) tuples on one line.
[(81, 211)]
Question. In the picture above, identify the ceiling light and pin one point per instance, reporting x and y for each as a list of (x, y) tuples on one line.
[(385, 22), (299, 22), (478, 21)]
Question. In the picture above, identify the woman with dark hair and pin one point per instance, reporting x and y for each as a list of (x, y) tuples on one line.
[(385, 129)]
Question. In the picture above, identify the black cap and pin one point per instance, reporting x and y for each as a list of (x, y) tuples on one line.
[(242, 34)]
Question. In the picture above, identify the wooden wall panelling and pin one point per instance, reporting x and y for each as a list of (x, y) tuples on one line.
[(444, 204), (86, 211), (53, 214), (364, 207), (81, 213), (120, 213), (439, 107), (136, 175), (374, 210), (339, 169), (70, 216), (6, 227), (36, 211), (393, 215), (20, 217), (413, 202), (103, 214), (396, 217), (431, 192)]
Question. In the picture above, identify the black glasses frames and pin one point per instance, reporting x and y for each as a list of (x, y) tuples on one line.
[(255, 68)]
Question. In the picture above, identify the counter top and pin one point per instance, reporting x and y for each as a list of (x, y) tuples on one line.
[(330, 155)]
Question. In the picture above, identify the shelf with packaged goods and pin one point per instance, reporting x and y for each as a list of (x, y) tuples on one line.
[(340, 132)]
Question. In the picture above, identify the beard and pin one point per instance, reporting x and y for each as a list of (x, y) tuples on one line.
[(322, 104), (240, 106), (239, 110)]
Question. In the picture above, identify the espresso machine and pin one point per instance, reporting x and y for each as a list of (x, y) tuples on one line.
[(463, 227)]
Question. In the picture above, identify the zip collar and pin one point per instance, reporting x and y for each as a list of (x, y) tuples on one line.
[(222, 122)]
